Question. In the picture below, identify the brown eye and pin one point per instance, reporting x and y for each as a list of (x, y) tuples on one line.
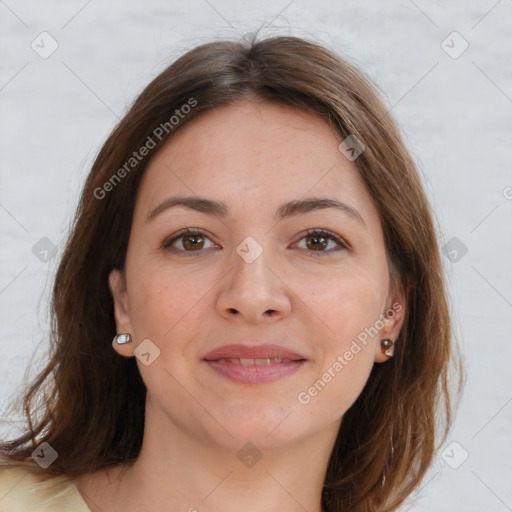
[(192, 242), (187, 241), (317, 240)]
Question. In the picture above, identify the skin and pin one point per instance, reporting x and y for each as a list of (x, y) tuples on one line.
[(253, 156)]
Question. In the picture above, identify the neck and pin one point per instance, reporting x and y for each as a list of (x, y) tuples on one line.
[(179, 471)]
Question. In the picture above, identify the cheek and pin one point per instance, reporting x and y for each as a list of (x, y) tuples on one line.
[(352, 312), (165, 312), (155, 301), (337, 386), (347, 303), (167, 306)]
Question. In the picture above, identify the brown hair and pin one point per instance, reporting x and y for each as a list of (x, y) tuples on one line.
[(90, 402)]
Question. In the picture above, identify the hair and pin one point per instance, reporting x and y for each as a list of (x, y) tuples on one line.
[(88, 403)]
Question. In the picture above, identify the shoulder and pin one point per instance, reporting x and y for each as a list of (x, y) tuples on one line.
[(28, 487)]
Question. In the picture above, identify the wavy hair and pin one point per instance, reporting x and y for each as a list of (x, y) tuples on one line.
[(88, 402)]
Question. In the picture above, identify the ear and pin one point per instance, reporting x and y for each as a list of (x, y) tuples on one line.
[(392, 320), (117, 285)]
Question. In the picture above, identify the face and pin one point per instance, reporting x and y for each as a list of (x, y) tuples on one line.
[(311, 280)]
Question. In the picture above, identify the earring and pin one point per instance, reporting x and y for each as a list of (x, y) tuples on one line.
[(120, 339), (388, 347)]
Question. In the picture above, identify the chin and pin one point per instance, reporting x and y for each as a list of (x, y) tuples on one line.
[(263, 424)]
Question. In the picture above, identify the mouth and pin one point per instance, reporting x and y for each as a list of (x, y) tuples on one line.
[(244, 361), (254, 364)]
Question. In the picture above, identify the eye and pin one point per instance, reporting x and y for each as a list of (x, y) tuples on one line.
[(193, 241), (318, 239), (190, 240)]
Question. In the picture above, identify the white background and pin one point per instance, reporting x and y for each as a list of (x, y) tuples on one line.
[(455, 114)]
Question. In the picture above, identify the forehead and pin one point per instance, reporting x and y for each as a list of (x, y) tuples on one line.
[(253, 154)]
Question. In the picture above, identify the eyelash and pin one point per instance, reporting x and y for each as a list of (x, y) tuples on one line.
[(309, 233)]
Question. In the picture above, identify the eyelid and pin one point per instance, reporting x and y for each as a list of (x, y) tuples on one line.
[(342, 243), (181, 233)]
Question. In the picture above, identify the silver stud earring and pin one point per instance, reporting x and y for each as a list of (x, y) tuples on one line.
[(388, 347), (121, 339)]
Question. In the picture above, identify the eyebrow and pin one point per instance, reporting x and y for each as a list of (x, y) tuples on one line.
[(289, 209)]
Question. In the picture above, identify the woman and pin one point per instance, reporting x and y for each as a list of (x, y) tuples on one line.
[(255, 239)]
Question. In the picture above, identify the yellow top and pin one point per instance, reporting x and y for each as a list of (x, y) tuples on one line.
[(23, 489)]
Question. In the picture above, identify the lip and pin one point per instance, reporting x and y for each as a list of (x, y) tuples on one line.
[(221, 361), (263, 351)]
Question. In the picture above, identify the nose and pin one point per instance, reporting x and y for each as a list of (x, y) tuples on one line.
[(254, 291)]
